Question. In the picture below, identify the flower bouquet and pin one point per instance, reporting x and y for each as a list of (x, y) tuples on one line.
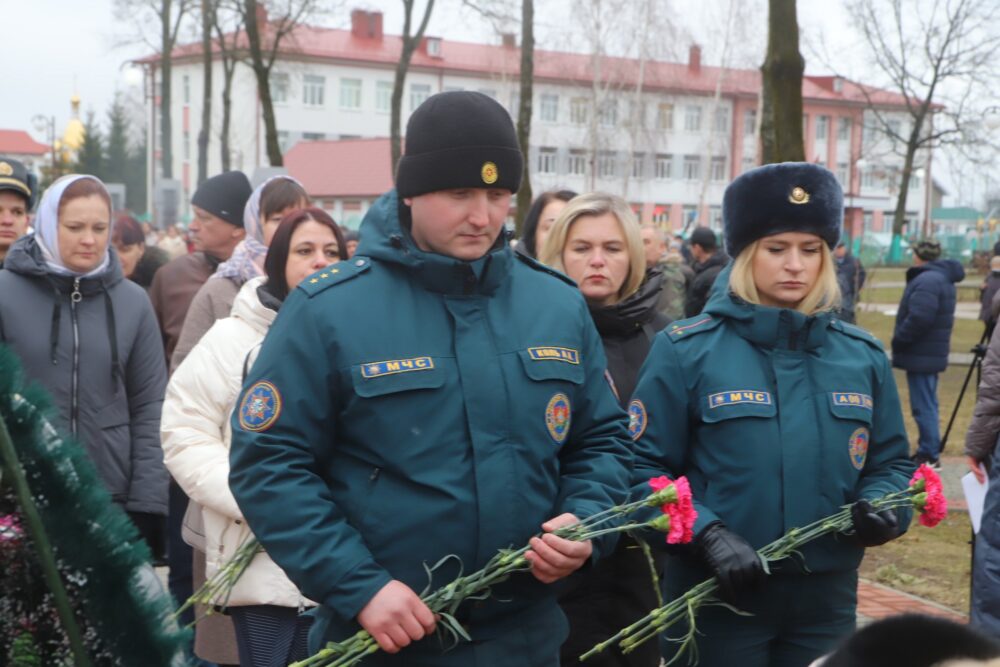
[(676, 519), (217, 588), (925, 493)]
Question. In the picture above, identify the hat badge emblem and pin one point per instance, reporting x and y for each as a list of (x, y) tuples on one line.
[(489, 173), (798, 196), (6, 169)]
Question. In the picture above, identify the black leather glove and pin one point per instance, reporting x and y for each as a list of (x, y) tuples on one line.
[(153, 529), (737, 567), (872, 528)]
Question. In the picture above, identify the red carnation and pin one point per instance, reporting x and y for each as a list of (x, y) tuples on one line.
[(930, 499), (681, 511)]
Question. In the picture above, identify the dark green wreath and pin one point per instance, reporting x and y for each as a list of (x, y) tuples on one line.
[(96, 568)]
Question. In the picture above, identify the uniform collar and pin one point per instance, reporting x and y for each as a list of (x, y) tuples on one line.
[(385, 239), (777, 328)]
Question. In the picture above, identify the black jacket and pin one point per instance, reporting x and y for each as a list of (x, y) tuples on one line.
[(922, 335), (705, 274)]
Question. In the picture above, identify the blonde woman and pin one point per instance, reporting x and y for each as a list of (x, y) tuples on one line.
[(778, 414), (597, 242)]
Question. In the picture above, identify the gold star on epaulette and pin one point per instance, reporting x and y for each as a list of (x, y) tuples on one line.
[(324, 275), (314, 280), (334, 270)]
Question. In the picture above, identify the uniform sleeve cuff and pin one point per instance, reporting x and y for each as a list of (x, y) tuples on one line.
[(358, 588)]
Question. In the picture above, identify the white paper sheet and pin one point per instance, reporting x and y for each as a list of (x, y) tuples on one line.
[(975, 497)]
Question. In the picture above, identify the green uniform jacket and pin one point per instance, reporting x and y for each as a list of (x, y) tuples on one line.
[(407, 406), (777, 419)]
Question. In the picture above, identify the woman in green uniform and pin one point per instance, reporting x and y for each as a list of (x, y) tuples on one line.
[(778, 414)]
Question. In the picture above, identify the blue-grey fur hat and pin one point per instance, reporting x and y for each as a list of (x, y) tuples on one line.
[(783, 197)]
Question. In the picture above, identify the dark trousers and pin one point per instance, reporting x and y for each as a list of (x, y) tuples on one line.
[(178, 553), (796, 619), (605, 598), (270, 636), (924, 406)]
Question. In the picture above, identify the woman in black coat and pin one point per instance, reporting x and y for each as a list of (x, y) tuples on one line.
[(597, 242)]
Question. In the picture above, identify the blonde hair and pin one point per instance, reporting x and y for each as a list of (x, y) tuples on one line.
[(595, 204), (825, 294)]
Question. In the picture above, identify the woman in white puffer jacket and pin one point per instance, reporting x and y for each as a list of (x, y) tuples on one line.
[(202, 393)]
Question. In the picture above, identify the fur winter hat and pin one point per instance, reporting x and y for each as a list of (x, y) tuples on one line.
[(783, 197)]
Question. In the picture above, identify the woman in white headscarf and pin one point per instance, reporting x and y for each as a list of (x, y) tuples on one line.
[(268, 204), (90, 338)]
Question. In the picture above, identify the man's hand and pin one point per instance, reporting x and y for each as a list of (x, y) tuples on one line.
[(977, 469), (396, 616), (553, 557)]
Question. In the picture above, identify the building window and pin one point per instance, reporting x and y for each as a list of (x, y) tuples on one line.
[(638, 162), (637, 113), (187, 89), (549, 108), (746, 165), (664, 116), (692, 167), (867, 219), (689, 214), (868, 178), (843, 128), (749, 122), (418, 93), (577, 162), (842, 175), (719, 168), (606, 164), (607, 114), (515, 104), (692, 119), (715, 217), (313, 136), (350, 93), (895, 128), (313, 88), (822, 127), (663, 166), (578, 107), (383, 96), (284, 140), (721, 122), (546, 160), (279, 87)]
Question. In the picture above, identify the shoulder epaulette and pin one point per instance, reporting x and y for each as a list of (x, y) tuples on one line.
[(334, 275), (691, 326), (855, 331), (538, 266)]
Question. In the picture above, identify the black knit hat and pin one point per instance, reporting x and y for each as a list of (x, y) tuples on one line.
[(459, 139), (15, 177), (783, 197), (224, 196)]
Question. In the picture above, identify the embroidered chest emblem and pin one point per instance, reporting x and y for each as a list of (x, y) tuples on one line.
[(857, 448), (739, 396), (558, 417)]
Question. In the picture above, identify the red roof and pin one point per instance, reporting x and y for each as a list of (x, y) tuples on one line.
[(346, 168), (19, 142), (504, 62)]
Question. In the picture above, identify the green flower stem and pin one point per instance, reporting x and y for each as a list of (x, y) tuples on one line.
[(46, 557), (220, 585), (686, 606), (499, 568)]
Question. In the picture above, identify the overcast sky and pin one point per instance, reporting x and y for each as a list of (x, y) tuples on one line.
[(53, 48)]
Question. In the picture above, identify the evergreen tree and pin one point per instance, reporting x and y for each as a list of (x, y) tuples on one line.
[(90, 157), (135, 178), (116, 168)]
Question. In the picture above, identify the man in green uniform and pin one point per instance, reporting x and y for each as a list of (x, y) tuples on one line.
[(410, 404)]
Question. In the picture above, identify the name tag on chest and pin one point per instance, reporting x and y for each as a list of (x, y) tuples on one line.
[(379, 368), (741, 396)]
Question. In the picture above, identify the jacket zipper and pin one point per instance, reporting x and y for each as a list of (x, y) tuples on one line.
[(74, 299)]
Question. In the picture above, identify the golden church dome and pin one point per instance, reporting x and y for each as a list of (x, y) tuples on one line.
[(73, 135)]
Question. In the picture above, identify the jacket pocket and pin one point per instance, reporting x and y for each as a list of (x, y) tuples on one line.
[(113, 457), (724, 405), (368, 385), (852, 413), (541, 370)]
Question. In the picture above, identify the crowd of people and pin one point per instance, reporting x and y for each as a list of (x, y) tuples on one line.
[(432, 391)]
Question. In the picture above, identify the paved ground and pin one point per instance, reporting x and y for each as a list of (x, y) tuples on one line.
[(876, 601)]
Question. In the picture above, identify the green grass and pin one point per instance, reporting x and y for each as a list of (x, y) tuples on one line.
[(965, 334), (930, 562)]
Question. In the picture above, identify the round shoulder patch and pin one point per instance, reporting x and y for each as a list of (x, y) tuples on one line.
[(260, 407), (636, 419), (558, 417), (857, 447)]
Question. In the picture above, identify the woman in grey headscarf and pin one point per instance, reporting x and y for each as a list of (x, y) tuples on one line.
[(268, 204), (91, 339)]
